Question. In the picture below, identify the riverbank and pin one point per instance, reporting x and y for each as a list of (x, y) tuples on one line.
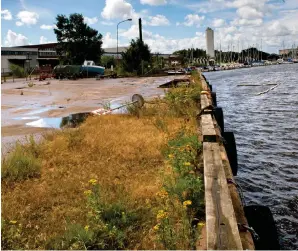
[(115, 182)]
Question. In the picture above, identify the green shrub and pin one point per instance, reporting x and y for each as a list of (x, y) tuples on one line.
[(20, 165), (17, 70)]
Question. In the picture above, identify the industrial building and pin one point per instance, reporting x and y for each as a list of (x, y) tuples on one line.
[(289, 52), (30, 56)]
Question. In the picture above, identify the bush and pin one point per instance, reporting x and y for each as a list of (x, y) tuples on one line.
[(20, 165), (17, 70)]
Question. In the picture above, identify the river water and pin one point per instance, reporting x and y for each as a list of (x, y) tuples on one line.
[(266, 132)]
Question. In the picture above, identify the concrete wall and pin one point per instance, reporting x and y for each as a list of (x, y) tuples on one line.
[(210, 42), (18, 56)]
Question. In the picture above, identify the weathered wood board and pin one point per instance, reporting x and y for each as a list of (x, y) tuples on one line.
[(221, 225)]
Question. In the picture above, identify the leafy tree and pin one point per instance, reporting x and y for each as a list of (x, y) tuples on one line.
[(137, 52), (107, 61), (76, 40)]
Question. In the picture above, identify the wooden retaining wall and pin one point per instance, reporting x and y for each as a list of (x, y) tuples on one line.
[(224, 210)]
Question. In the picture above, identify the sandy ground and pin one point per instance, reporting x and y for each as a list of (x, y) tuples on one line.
[(61, 98)]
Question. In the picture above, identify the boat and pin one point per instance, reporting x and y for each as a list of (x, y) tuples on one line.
[(90, 69)]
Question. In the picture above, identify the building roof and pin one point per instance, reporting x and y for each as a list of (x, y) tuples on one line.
[(114, 49)]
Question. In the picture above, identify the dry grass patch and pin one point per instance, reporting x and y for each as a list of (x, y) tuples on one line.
[(122, 153), (100, 184)]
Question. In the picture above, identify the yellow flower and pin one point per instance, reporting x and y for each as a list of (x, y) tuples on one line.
[(156, 227), (86, 228), (201, 224), (171, 156), (93, 182), (162, 194), (88, 192), (13, 222), (161, 215), (187, 203), (187, 163)]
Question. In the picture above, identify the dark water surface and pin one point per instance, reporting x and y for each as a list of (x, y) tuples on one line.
[(266, 132)]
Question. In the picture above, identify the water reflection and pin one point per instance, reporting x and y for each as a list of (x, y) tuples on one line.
[(71, 121)]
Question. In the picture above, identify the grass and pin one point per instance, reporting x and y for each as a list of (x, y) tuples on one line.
[(20, 165), (110, 184)]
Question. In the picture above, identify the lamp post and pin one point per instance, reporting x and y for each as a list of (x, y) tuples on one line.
[(129, 19)]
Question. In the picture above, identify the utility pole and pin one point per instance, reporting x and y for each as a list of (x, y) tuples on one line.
[(140, 30)]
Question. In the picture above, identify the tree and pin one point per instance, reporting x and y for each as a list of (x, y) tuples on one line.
[(76, 40), (107, 61), (136, 57)]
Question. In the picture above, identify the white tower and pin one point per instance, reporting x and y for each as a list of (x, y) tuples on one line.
[(210, 42)]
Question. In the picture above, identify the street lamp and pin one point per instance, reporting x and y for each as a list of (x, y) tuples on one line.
[(129, 19)]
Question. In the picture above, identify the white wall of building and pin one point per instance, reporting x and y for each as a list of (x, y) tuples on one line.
[(210, 42)]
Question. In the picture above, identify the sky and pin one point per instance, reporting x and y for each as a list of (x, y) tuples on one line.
[(168, 25)]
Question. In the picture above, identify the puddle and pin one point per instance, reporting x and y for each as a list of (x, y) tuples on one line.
[(27, 118), (70, 121)]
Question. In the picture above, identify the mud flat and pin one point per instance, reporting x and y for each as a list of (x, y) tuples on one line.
[(23, 105)]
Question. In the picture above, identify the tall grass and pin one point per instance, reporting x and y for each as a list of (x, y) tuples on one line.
[(20, 165)]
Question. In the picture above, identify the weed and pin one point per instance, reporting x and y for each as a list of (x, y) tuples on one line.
[(11, 235), (20, 165), (184, 198)]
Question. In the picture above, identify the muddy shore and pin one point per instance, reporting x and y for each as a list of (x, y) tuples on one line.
[(25, 109)]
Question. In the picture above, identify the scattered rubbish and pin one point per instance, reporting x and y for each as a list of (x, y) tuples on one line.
[(61, 107), (255, 85), (176, 83), (270, 89), (22, 93), (30, 84), (48, 83), (137, 101)]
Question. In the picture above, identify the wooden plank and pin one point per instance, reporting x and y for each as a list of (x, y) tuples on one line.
[(246, 238), (205, 87), (221, 225), (208, 129), (205, 101)]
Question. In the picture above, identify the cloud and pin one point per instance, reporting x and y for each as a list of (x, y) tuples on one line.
[(14, 39), (218, 22), (44, 40), (48, 27), (117, 9), (91, 21), (108, 41), (133, 32), (158, 20), (107, 23), (18, 23), (247, 22), (193, 20), (154, 2), (248, 12), (6, 15), (27, 17)]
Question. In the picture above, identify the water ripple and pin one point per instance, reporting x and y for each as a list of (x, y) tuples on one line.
[(266, 132)]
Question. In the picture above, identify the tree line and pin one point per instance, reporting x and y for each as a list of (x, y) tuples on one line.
[(78, 42)]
